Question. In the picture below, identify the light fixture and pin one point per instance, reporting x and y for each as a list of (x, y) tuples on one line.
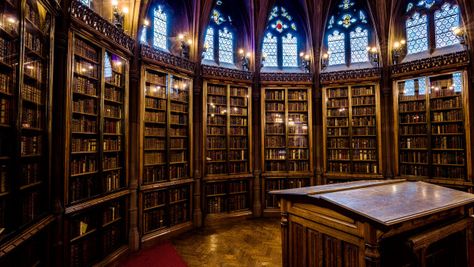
[(305, 61), (262, 63), (245, 59), (185, 44), (325, 61), (460, 34), (204, 50), (373, 56), (118, 16), (398, 50)]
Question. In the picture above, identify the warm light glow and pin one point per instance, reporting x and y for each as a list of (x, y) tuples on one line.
[(368, 48), (118, 63), (114, 3), (396, 45), (146, 22), (457, 31), (181, 36), (306, 57), (11, 20), (29, 67), (326, 56), (241, 51), (206, 46), (403, 42), (125, 10), (301, 54), (248, 55), (373, 50), (264, 55), (305, 127), (190, 41), (91, 67)]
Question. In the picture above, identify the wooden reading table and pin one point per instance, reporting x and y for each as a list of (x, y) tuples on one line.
[(375, 223)]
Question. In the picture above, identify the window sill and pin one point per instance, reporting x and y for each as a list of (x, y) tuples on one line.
[(438, 52), (356, 66)]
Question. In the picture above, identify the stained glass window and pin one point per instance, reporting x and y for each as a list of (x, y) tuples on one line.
[(160, 31), (336, 48), (348, 31), (143, 35), (270, 47), (107, 66), (226, 46), (290, 50), (280, 43), (457, 82), (409, 88), (359, 44), (209, 42), (86, 2), (417, 33), (446, 19)]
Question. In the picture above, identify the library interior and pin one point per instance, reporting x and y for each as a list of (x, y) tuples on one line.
[(294, 133)]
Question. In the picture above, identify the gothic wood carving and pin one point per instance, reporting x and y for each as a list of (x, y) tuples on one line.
[(350, 76), (84, 15), (286, 77), (166, 60), (214, 72)]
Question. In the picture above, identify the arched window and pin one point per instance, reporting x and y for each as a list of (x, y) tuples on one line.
[(446, 19), (160, 28), (280, 43), (417, 33), (348, 34), (219, 39), (428, 20)]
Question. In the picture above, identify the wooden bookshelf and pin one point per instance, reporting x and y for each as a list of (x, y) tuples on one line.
[(352, 131), (26, 52), (166, 141), (227, 157), (96, 166), (287, 157), (431, 118)]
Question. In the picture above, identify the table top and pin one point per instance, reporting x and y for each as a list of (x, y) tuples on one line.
[(387, 202)]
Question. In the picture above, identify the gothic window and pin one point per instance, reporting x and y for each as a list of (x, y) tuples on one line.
[(160, 31), (280, 43), (417, 33), (336, 48), (219, 39), (226, 47), (270, 45), (429, 25), (107, 66), (446, 19), (209, 43), (86, 2), (348, 34), (359, 44)]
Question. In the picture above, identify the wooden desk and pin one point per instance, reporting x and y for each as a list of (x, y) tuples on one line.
[(375, 223)]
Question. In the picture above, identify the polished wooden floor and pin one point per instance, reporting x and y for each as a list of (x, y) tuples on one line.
[(253, 242)]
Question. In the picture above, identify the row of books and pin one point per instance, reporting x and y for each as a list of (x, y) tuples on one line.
[(366, 111), (84, 86), (155, 91), (297, 95), (176, 156), (30, 173), (34, 69), (112, 143), (365, 100), (86, 68), (363, 91), (31, 145), (85, 50), (84, 106), (446, 103), (155, 103), (154, 199), (216, 90), (31, 206), (337, 92), (282, 166), (113, 111), (238, 92), (84, 145), (114, 79), (4, 179), (111, 162), (83, 125), (453, 115), (32, 42), (278, 95), (113, 94), (239, 102), (112, 127), (179, 119), (416, 106), (216, 100), (5, 83), (112, 181), (156, 117), (156, 78), (31, 118)]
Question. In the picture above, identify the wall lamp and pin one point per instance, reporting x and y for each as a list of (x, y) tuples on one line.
[(262, 63), (325, 61), (460, 34), (185, 45), (398, 50), (118, 15), (373, 56), (305, 61), (204, 50), (244, 59)]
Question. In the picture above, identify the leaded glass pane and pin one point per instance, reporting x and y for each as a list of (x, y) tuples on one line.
[(359, 44), (446, 19), (290, 51), (409, 89), (422, 86), (143, 35), (160, 28), (226, 47), (457, 82), (209, 42), (270, 50), (86, 2), (336, 48), (107, 66), (417, 33)]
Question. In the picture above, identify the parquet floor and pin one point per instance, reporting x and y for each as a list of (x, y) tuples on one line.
[(253, 242)]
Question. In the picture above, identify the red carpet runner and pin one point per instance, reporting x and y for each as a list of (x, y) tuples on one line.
[(163, 255)]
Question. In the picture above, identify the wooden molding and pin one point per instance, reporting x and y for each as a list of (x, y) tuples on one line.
[(305, 78), (431, 64), (350, 76), (219, 73), (167, 60), (86, 16)]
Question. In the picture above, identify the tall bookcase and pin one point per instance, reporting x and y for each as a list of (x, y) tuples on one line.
[(227, 158), (432, 140), (166, 136), (96, 171), (26, 53), (287, 157), (352, 130)]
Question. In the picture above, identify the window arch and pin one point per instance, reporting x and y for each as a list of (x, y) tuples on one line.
[(160, 28), (281, 43), (348, 34), (219, 38), (428, 20)]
